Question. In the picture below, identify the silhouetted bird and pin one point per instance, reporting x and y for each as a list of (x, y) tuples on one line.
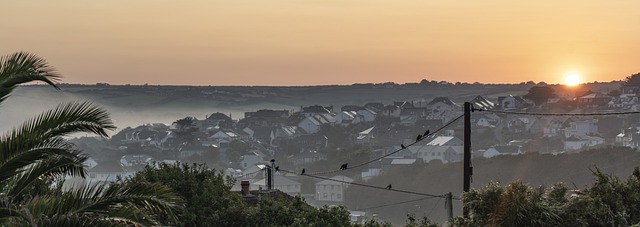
[(273, 160), (426, 134), (343, 166), (389, 187), (402, 145), (277, 168), (302, 171), (419, 138)]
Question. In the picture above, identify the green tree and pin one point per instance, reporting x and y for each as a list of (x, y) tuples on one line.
[(424, 222), (207, 193), (37, 152), (540, 94), (608, 202), (210, 201), (186, 130), (632, 80), (280, 209)]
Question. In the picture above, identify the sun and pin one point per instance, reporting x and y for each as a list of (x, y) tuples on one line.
[(572, 79)]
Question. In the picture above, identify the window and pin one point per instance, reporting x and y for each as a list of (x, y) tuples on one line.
[(325, 195), (339, 196)]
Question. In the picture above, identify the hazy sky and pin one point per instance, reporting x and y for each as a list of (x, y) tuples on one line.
[(310, 42)]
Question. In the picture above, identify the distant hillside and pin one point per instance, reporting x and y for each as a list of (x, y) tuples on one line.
[(533, 169), (131, 105)]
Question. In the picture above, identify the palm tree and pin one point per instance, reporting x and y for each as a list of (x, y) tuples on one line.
[(37, 150)]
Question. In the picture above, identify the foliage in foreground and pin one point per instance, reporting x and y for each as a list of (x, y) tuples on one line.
[(37, 152), (210, 201), (608, 202)]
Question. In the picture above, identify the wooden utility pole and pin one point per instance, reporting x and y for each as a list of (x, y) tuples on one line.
[(467, 172), (449, 207), (270, 177)]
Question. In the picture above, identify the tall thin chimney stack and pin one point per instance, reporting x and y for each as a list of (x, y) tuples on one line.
[(245, 187)]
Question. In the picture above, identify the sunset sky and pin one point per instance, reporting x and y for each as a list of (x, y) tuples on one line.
[(317, 42)]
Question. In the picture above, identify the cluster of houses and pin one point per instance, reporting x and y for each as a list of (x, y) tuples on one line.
[(264, 131)]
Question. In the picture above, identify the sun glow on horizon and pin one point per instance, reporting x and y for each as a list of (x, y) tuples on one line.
[(572, 79)]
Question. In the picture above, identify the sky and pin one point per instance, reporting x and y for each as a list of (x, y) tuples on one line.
[(323, 42)]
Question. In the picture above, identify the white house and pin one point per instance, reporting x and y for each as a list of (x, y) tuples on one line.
[(366, 115), (109, 171), (578, 142), (444, 148), (440, 104), (582, 128), (312, 124), (347, 118), (502, 150), (137, 159), (225, 135), (332, 190), (250, 160), (365, 137), (510, 102)]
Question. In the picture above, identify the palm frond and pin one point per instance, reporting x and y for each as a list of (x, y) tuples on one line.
[(51, 167), (23, 67), (63, 120), (125, 202), (76, 220), (16, 164)]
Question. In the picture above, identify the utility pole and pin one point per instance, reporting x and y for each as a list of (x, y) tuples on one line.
[(270, 177), (468, 171), (449, 207)]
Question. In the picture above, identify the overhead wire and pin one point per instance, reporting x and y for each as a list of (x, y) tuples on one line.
[(367, 185), (389, 154), (394, 204), (560, 114), (434, 207)]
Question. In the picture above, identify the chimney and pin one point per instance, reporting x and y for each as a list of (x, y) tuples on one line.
[(245, 187)]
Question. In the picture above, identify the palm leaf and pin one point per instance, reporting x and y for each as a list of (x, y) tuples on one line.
[(47, 127), (123, 203), (51, 167), (23, 67), (17, 163)]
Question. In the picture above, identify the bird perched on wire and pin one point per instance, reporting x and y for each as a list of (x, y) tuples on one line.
[(277, 168), (418, 138), (302, 171), (389, 187), (344, 166), (426, 134), (402, 145)]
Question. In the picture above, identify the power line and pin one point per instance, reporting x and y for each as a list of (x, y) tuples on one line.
[(398, 203), (434, 207), (561, 114), (366, 185), (387, 155)]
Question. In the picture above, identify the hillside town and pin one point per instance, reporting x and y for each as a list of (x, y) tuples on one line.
[(321, 138)]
